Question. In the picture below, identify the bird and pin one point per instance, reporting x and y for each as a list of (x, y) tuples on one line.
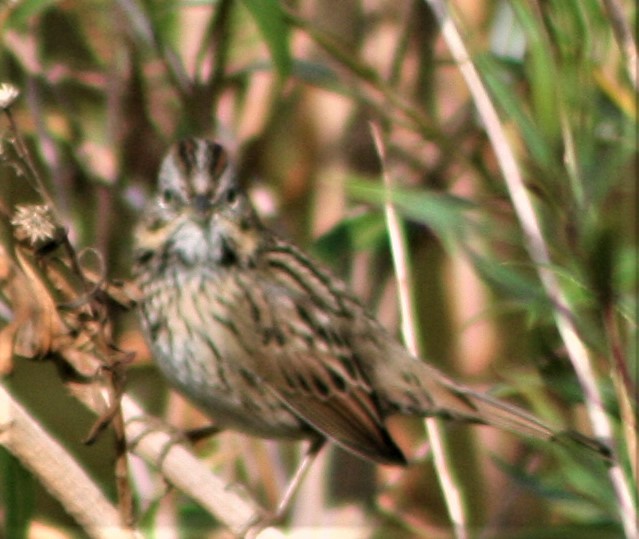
[(266, 340)]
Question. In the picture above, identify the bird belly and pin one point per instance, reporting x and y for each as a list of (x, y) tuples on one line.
[(199, 351)]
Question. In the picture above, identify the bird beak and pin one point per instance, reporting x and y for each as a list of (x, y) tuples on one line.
[(201, 206)]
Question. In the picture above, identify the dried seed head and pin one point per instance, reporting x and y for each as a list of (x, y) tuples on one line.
[(8, 94), (34, 224)]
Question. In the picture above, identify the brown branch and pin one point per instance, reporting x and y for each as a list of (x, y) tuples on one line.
[(33, 176), (58, 471), (60, 333), (226, 502)]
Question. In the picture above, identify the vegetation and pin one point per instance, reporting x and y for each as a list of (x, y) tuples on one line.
[(520, 230)]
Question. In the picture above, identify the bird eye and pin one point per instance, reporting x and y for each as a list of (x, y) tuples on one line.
[(231, 196), (168, 196)]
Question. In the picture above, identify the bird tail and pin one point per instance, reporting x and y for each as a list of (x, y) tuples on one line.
[(497, 413), (443, 397)]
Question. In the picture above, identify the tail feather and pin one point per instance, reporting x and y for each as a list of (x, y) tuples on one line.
[(511, 418), (503, 415), (442, 396)]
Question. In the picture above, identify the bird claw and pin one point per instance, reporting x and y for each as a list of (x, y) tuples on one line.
[(175, 435)]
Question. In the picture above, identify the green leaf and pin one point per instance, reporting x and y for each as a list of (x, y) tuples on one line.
[(270, 20), (25, 10), (63, 40), (164, 16), (506, 280), (360, 232), (18, 494), (543, 74), (503, 91), (444, 213), (317, 74)]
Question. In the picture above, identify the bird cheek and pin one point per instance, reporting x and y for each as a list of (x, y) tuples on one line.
[(223, 252)]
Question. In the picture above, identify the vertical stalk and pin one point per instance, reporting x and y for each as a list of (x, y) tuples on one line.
[(539, 253), (443, 468)]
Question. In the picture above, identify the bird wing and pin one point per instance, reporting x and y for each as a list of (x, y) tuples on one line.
[(301, 351)]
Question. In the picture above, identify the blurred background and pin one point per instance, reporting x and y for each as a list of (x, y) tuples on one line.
[(292, 88)]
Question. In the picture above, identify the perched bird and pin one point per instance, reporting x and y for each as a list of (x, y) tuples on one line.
[(266, 340)]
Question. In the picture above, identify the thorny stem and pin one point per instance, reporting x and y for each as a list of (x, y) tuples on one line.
[(23, 153), (121, 470), (115, 381), (35, 180)]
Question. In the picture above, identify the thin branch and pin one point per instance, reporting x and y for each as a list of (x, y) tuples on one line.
[(538, 251), (58, 471), (68, 483), (33, 175), (445, 474), (34, 225), (227, 503)]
